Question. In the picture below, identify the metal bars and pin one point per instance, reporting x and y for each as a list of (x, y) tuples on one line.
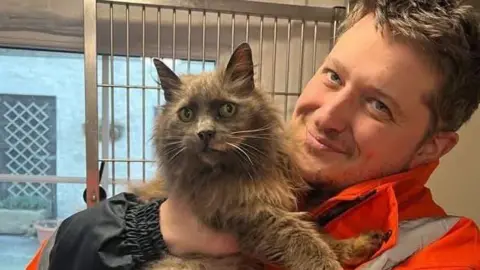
[(127, 15), (296, 12), (338, 16), (112, 95), (91, 101), (190, 36)]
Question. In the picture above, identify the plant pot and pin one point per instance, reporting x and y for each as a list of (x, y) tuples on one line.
[(45, 228), (19, 221)]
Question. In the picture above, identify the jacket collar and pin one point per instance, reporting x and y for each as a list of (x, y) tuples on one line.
[(405, 185)]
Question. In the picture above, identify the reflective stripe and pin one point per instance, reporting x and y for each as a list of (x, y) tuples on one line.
[(413, 235), (45, 257)]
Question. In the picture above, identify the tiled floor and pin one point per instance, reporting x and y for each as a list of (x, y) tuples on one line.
[(16, 251)]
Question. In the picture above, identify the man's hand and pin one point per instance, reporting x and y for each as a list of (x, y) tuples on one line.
[(183, 233)]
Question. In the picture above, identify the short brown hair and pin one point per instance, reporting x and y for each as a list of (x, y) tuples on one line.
[(448, 33)]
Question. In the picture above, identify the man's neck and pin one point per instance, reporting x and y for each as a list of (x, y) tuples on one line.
[(319, 194)]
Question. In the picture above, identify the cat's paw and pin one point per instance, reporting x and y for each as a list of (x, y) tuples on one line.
[(324, 264), (332, 265), (363, 247)]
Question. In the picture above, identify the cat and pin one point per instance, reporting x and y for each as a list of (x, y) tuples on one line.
[(223, 148)]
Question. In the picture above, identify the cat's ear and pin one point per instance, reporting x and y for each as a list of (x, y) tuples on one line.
[(240, 67), (168, 79)]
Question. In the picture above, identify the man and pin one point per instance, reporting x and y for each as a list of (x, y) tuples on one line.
[(376, 117)]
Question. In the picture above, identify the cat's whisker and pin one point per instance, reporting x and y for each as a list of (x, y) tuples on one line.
[(252, 155), (241, 150), (173, 143), (173, 149), (267, 127), (246, 167), (254, 148), (253, 134), (262, 137), (176, 154), (172, 137)]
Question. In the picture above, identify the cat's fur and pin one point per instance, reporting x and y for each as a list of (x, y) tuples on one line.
[(242, 180)]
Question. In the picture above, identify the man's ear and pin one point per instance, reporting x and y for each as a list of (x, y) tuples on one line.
[(434, 148)]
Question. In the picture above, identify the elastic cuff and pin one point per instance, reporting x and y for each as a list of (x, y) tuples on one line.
[(142, 230)]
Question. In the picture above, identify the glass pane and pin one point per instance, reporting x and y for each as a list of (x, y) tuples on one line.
[(41, 116), (42, 137)]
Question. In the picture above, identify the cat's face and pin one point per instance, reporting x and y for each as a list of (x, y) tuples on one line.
[(214, 118)]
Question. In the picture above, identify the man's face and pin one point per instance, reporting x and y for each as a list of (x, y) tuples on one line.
[(363, 115)]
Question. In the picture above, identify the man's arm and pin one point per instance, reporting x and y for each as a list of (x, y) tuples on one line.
[(118, 233), (122, 233)]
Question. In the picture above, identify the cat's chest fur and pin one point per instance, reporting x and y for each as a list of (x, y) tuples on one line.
[(226, 188)]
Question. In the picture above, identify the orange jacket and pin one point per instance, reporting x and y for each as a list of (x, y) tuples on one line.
[(423, 235)]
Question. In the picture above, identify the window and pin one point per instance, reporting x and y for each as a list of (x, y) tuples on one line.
[(42, 136)]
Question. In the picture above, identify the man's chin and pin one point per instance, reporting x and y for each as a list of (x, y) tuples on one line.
[(319, 171)]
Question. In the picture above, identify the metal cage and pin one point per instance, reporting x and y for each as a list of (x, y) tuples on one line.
[(284, 38)]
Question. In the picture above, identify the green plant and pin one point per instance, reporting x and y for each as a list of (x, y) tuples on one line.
[(25, 203)]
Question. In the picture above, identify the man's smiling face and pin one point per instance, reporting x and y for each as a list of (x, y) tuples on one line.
[(364, 114)]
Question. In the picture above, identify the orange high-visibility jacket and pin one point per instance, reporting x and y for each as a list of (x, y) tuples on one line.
[(423, 235)]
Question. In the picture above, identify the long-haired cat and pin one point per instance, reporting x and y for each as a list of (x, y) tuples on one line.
[(222, 148)]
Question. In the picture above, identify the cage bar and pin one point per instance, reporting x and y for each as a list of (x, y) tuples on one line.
[(159, 21), (315, 32), (105, 114), (287, 66), (274, 61), (302, 46), (112, 92), (189, 40), (233, 32), (174, 26), (338, 14), (218, 36), (298, 12), (91, 100), (127, 15), (261, 49), (143, 96), (204, 19), (247, 28), (130, 87)]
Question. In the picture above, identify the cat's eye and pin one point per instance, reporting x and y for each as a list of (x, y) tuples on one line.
[(186, 114), (227, 110)]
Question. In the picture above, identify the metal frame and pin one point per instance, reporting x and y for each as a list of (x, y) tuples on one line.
[(91, 102), (303, 14), (321, 14)]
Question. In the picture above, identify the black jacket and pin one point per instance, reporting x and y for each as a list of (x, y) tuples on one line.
[(119, 233)]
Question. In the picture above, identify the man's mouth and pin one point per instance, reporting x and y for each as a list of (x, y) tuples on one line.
[(319, 143)]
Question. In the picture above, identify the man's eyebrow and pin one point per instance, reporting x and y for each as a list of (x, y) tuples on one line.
[(338, 65)]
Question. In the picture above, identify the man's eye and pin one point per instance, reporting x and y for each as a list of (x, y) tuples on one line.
[(334, 77), (379, 106)]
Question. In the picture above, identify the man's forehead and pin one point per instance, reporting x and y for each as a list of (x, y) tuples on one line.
[(365, 54)]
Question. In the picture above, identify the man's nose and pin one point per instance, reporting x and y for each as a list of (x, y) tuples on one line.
[(335, 114)]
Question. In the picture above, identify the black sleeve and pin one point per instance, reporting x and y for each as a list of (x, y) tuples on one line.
[(119, 233)]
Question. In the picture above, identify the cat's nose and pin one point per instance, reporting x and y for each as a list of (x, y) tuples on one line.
[(206, 136)]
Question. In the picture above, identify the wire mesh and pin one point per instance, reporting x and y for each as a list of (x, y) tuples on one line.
[(190, 39)]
